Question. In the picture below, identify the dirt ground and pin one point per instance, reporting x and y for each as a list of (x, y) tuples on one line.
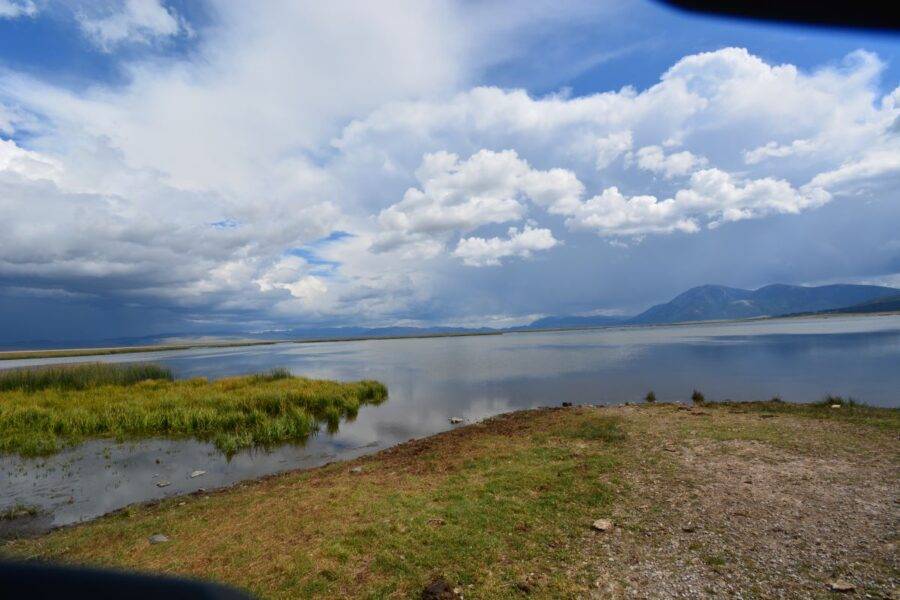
[(742, 518)]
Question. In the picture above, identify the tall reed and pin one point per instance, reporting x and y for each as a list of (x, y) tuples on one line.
[(80, 376)]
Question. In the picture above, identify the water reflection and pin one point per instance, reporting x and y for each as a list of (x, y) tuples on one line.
[(430, 380)]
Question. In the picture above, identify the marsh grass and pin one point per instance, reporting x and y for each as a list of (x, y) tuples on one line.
[(80, 377), (42, 411), (19, 511)]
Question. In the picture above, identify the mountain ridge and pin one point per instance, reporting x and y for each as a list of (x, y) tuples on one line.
[(717, 302)]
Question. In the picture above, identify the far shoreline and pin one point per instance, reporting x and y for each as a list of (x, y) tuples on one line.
[(6, 355)]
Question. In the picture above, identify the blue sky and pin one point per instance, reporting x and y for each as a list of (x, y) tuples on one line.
[(218, 166)]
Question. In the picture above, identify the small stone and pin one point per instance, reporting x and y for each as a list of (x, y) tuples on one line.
[(840, 585), (835, 406), (197, 473), (157, 538), (356, 470), (162, 483), (455, 420), (602, 525), (688, 528)]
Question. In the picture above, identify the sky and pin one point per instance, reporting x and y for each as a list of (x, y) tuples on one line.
[(202, 166)]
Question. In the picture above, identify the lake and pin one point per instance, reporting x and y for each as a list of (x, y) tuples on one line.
[(432, 379)]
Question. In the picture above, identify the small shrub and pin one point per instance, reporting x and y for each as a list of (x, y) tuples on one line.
[(698, 397), (650, 397), (830, 400), (777, 400)]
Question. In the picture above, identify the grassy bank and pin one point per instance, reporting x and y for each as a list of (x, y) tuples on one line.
[(709, 501), (44, 409)]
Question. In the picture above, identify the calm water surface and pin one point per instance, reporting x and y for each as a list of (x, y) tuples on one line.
[(430, 380)]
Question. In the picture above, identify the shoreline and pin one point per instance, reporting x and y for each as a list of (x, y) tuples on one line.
[(8, 355), (700, 498)]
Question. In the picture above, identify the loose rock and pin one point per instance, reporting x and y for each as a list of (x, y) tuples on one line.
[(356, 470), (839, 585), (197, 473), (162, 483), (455, 420), (602, 525), (157, 538)]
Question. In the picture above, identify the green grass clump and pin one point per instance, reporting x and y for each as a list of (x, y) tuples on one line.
[(80, 377), (272, 375), (650, 397), (48, 409), (849, 410), (19, 511), (697, 397), (605, 430)]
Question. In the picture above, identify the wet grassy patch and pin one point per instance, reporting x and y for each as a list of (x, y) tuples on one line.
[(43, 410)]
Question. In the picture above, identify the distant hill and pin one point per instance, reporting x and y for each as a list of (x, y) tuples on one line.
[(574, 322), (716, 302), (326, 333), (886, 304)]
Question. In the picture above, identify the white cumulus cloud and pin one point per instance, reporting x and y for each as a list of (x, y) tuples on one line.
[(459, 196), (655, 160), (481, 252)]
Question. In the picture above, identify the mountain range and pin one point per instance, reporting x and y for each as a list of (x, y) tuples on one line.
[(716, 302), (703, 303)]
